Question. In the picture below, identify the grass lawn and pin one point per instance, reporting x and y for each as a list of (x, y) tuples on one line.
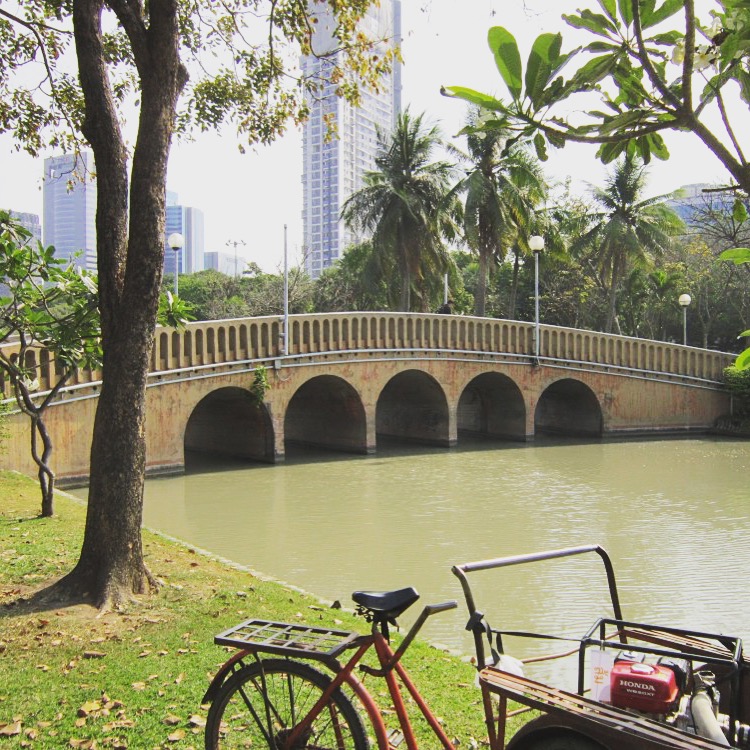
[(135, 679)]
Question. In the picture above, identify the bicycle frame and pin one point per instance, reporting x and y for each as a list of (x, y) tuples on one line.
[(390, 669), (393, 672)]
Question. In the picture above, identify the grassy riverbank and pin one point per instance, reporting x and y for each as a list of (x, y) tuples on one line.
[(135, 679)]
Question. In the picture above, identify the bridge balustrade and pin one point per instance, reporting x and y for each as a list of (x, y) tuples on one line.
[(218, 342)]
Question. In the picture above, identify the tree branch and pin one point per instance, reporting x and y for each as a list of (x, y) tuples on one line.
[(645, 60)]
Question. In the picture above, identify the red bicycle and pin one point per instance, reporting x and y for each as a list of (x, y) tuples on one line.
[(276, 703)]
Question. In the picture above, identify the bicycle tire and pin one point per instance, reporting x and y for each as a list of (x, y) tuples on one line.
[(240, 716)]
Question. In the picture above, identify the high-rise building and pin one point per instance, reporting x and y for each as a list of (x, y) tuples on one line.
[(334, 166), (188, 222), (30, 222), (70, 207)]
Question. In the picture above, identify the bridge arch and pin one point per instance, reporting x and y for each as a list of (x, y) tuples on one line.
[(412, 407), (326, 412), (569, 407), (492, 406), (229, 423)]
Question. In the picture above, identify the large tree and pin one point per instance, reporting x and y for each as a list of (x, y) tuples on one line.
[(407, 207), (142, 55), (652, 66), (628, 230), (503, 185)]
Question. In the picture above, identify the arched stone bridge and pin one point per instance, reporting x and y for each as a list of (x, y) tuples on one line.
[(349, 380)]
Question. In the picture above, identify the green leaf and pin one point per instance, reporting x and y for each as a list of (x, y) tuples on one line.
[(626, 11), (474, 97), (542, 60), (646, 9), (668, 38), (739, 211), (743, 360), (658, 147), (608, 152), (540, 144), (662, 13), (596, 23), (507, 58), (610, 8), (736, 255), (743, 78), (593, 71), (630, 118)]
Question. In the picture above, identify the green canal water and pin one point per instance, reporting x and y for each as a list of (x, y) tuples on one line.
[(674, 516)]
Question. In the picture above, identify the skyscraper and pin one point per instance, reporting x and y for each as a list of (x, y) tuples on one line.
[(334, 167), (70, 207), (188, 222)]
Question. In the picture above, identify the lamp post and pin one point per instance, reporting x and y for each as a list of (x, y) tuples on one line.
[(235, 243), (176, 241), (285, 339), (684, 300), (536, 245)]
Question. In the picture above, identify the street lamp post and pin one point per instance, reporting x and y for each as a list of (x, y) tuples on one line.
[(684, 300), (235, 243), (285, 341), (176, 241), (536, 245)]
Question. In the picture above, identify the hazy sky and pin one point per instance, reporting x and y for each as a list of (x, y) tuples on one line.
[(250, 197)]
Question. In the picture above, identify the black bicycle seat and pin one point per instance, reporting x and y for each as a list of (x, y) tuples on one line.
[(388, 603)]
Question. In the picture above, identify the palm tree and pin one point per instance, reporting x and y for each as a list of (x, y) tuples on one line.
[(628, 232), (407, 207), (502, 187)]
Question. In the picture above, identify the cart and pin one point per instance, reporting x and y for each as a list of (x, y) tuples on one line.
[(640, 686)]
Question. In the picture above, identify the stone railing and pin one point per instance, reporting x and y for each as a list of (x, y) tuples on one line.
[(246, 339), (242, 339)]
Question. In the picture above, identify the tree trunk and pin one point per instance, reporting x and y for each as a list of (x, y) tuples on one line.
[(111, 567), (514, 285), (480, 302)]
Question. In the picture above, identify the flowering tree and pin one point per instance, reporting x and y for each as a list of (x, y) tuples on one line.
[(648, 70), (49, 305)]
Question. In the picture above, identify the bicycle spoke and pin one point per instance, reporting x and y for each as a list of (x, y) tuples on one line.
[(261, 708)]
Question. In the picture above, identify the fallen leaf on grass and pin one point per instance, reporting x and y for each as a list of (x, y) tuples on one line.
[(177, 735), (89, 707), (10, 730), (196, 721), (93, 654), (172, 720), (138, 686)]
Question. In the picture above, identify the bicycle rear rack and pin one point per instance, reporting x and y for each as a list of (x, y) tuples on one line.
[(287, 639)]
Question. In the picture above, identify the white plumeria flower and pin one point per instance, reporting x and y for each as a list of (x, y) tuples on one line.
[(485, 117), (678, 53), (705, 57), (30, 385)]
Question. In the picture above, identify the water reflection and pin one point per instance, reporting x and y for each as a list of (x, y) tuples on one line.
[(671, 513)]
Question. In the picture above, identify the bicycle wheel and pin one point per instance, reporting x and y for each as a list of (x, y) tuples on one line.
[(258, 707)]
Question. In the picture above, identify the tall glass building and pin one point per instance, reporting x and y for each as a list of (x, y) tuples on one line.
[(334, 166), (70, 207), (188, 222)]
